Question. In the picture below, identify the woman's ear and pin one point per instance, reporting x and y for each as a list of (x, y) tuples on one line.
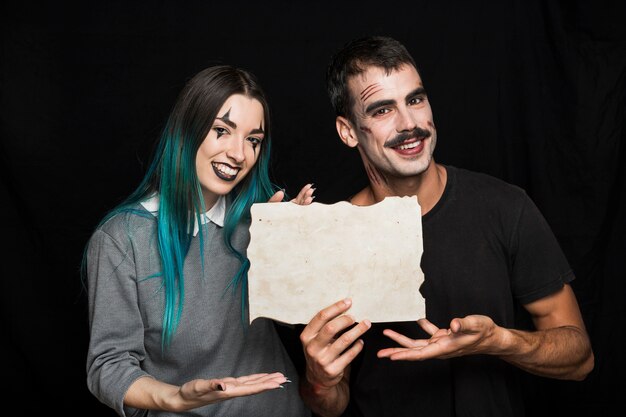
[(346, 132)]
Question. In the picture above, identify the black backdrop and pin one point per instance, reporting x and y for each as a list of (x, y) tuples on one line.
[(533, 92)]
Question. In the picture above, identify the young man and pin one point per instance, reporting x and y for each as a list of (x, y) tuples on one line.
[(487, 253)]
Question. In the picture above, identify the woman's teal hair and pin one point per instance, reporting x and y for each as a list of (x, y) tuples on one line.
[(172, 174)]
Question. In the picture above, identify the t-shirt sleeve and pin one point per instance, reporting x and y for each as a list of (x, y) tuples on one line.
[(116, 326), (539, 265)]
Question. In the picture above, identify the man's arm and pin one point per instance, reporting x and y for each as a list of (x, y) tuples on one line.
[(560, 348), (329, 348), (326, 402)]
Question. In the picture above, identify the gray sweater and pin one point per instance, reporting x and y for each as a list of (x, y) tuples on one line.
[(126, 311)]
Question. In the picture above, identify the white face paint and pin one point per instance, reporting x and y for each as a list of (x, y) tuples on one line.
[(394, 121), (231, 148)]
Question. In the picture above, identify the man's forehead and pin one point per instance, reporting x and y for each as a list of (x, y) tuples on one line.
[(375, 79), (372, 75)]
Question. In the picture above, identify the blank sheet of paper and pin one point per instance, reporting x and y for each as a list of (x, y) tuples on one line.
[(304, 258)]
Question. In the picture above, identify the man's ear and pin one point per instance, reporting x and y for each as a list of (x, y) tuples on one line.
[(346, 133)]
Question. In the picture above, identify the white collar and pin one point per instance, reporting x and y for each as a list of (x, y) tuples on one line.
[(216, 214)]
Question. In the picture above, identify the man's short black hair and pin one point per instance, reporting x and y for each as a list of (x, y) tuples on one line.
[(354, 58)]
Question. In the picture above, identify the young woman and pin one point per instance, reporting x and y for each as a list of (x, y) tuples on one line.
[(166, 269)]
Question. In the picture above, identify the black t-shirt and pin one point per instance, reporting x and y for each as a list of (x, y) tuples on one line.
[(487, 250)]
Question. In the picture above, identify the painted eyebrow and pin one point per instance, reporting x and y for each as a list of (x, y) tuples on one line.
[(258, 130), (226, 119), (255, 131)]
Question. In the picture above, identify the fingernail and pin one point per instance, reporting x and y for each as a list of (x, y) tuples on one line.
[(288, 380)]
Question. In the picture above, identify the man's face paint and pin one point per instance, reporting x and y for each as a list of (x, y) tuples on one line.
[(394, 123)]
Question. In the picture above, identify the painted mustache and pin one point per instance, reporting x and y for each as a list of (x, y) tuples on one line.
[(418, 132)]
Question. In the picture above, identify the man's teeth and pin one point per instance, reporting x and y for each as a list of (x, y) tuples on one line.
[(409, 145), (226, 169)]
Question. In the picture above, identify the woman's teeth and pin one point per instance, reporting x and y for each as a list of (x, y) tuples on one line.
[(226, 170)]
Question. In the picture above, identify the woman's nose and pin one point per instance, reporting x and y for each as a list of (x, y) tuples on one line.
[(235, 150)]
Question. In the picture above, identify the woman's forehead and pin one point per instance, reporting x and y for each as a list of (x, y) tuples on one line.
[(242, 110)]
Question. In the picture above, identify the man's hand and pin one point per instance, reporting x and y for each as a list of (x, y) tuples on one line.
[(558, 348), (327, 354), (466, 336), (330, 341)]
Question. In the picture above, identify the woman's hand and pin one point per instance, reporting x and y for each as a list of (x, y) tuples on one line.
[(304, 197), (151, 394), (201, 392)]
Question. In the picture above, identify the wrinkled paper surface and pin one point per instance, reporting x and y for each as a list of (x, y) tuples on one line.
[(304, 258)]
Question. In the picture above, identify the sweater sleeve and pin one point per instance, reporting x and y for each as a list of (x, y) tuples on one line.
[(116, 346)]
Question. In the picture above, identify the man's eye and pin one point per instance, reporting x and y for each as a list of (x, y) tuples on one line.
[(416, 100), (381, 111)]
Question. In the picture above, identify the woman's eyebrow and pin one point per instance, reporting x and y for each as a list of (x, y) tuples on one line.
[(226, 119)]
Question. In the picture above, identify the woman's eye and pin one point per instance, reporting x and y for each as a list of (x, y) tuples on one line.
[(220, 131), (255, 142)]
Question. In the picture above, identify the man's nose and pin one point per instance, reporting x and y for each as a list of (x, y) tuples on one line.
[(405, 120)]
